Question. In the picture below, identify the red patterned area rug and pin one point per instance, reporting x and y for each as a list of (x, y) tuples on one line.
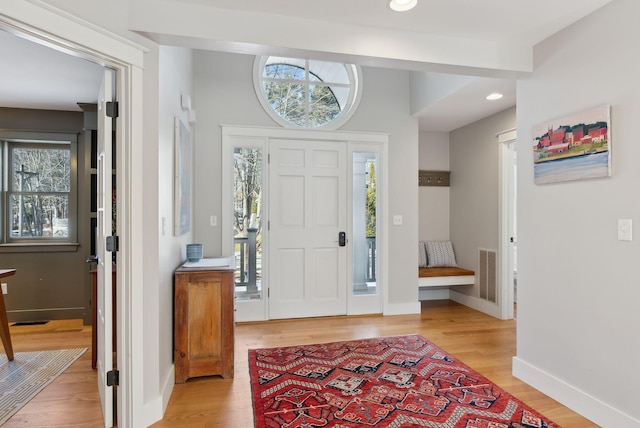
[(401, 381)]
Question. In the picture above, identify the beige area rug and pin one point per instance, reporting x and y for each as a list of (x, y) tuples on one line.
[(28, 373)]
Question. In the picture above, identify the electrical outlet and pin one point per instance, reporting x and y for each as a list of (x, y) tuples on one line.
[(4, 288)]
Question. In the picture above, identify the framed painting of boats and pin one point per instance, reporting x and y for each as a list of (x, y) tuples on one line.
[(575, 147)]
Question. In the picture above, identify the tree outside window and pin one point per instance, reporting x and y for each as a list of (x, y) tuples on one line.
[(39, 201), (307, 93)]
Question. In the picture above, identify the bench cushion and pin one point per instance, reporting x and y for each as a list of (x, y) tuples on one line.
[(430, 272)]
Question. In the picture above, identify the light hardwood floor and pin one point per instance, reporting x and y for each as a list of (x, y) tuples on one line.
[(482, 342), (71, 400)]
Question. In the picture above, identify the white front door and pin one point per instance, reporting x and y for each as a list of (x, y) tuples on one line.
[(104, 361), (308, 212)]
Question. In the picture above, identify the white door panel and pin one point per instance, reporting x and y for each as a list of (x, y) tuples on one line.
[(104, 360), (308, 211), (326, 281), (325, 205), (291, 268), (291, 208)]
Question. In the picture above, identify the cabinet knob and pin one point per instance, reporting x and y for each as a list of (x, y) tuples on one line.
[(181, 354)]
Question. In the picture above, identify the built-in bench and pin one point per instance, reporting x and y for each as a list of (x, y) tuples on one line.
[(444, 276)]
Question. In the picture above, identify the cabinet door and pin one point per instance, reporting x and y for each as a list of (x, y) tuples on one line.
[(204, 324)]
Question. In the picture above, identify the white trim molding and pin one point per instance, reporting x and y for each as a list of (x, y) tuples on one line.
[(481, 305), (402, 308), (590, 407), (506, 194), (255, 136)]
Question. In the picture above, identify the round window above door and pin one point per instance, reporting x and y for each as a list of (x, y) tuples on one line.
[(304, 93)]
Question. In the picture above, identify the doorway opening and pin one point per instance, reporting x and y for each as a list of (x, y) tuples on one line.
[(59, 32), (302, 216), (508, 237)]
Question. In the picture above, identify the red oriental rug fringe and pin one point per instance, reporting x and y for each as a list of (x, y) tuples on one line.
[(400, 381)]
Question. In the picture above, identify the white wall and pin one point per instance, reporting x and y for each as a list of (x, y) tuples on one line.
[(433, 200), (428, 88), (385, 108), (225, 95), (578, 294), (474, 186), (176, 79)]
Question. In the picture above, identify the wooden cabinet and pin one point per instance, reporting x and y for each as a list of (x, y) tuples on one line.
[(204, 323)]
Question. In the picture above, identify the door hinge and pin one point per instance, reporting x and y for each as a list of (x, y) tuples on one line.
[(268, 293), (268, 225), (113, 378), (112, 109), (113, 243)]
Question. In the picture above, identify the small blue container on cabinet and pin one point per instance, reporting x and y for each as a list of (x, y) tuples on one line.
[(194, 252)]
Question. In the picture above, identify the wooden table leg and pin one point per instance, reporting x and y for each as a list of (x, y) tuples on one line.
[(4, 329)]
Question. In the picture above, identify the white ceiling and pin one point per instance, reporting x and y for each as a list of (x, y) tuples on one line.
[(39, 77), (526, 21), (36, 76)]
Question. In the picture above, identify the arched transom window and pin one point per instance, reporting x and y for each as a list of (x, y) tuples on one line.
[(303, 93)]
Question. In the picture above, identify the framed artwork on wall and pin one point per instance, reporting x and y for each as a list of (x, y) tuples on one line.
[(575, 147), (182, 179)]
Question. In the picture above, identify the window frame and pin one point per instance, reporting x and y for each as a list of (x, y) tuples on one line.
[(30, 139), (353, 100)]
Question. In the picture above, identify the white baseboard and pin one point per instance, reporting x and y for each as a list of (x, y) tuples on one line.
[(591, 408), (488, 308), (433, 294), (167, 388), (402, 308), (154, 410)]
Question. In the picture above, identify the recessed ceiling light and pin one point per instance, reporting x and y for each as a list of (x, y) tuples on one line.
[(494, 96), (402, 5)]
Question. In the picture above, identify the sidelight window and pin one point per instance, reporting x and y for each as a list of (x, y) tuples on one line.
[(247, 225)]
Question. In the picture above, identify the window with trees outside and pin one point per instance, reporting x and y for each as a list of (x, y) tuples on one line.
[(304, 93), (39, 190), (247, 225)]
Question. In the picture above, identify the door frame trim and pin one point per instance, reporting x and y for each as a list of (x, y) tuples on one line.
[(57, 29), (506, 146), (263, 135)]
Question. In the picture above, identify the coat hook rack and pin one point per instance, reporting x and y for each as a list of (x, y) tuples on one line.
[(433, 178)]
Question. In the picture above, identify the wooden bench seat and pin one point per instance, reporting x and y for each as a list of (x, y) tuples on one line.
[(444, 276)]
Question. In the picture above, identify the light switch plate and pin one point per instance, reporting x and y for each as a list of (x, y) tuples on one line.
[(624, 229), (397, 220)]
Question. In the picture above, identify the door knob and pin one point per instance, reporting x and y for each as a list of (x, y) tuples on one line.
[(92, 259)]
